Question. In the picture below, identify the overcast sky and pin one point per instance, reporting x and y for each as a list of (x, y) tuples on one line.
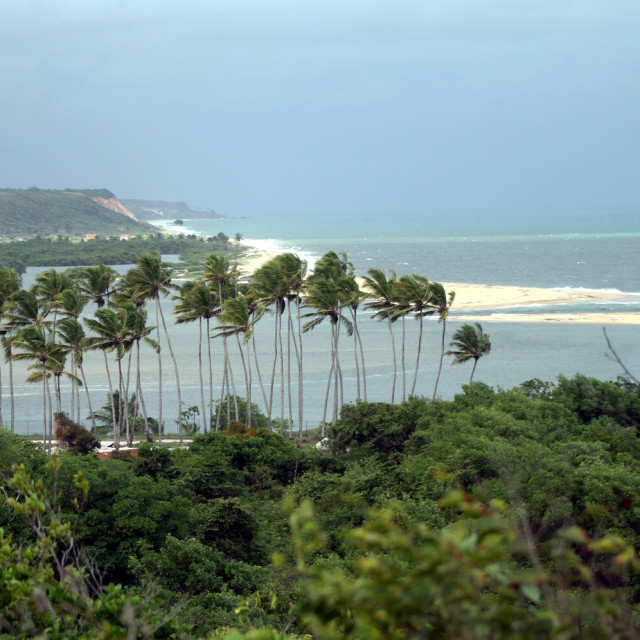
[(285, 106)]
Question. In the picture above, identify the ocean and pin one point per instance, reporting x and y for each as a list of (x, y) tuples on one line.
[(596, 250)]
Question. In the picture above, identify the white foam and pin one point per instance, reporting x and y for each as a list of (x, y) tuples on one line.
[(277, 247)]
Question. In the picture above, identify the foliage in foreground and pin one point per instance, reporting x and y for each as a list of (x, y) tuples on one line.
[(498, 514)]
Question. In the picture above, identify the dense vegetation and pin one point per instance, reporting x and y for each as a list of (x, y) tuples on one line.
[(508, 514), (61, 251), (30, 212)]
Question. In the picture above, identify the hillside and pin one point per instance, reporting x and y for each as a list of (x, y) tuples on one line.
[(27, 212), (157, 209)]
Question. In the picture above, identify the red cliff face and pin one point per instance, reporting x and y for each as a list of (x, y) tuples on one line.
[(108, 203), (115, 205)]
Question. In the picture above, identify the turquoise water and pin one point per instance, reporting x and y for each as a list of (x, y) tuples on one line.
[(592, 250)]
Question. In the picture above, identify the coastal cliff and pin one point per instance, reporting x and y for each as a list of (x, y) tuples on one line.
[(33, 211)]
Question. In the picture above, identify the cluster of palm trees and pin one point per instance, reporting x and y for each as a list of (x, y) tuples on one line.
[(46, 327)]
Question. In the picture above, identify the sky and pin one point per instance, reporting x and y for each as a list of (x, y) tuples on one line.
[(258, 107)]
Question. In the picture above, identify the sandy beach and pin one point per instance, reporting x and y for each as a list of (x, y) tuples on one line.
[(491, 299)]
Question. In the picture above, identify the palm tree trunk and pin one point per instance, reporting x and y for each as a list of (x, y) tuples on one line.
[(11, 391), (227, 377), (295, 347), (255, 359), (204, 415), (122, 418), (415, 373), (404, 368), (355, 353), (364, 371), (300, 377), (435, 388), (281, 378), (273, 372), (249, 381), (86, 388), (72, 399), (473, 370), (222, 389), (210, 378), (127, 421), (159, 372), (395, 364), (246, 376), (44, 407), (289, 327), (114, 421), (56, 386), (175, 367), (50, 410), (236, 413), (139, 392)]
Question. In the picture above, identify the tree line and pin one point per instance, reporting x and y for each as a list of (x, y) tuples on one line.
[(48, 327)]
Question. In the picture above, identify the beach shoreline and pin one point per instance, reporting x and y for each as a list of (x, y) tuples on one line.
[(488, 303)]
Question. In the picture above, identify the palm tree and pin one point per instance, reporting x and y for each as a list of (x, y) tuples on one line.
[(351, 297), (49, 286), (35, 343), (97, 283), (220, 274), (74, 338), (415, 290), (470, 342), (402, 307), (150, 280), (113, 336), (23, 310), (10, 282), (381, 291), (271, 287), (441, 304), (139, 332), (294, 271), (323, 295), (72, 304), (197, 302), (236, 319)]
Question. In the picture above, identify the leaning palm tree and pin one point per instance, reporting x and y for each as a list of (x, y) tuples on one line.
[(24, 309), (294, 271), (49, 286), (112, 336), (415, 290), (352, 296), (323, 295), (35, 343), (150, 279), (271, 286), (97, 283), (74, 339), (221, 275), (470, 342), (236, 319), (441, 303), (139, 332), (380, 290), (196, 301)]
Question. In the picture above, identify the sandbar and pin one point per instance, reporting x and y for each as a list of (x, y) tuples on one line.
[(491, 301)]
